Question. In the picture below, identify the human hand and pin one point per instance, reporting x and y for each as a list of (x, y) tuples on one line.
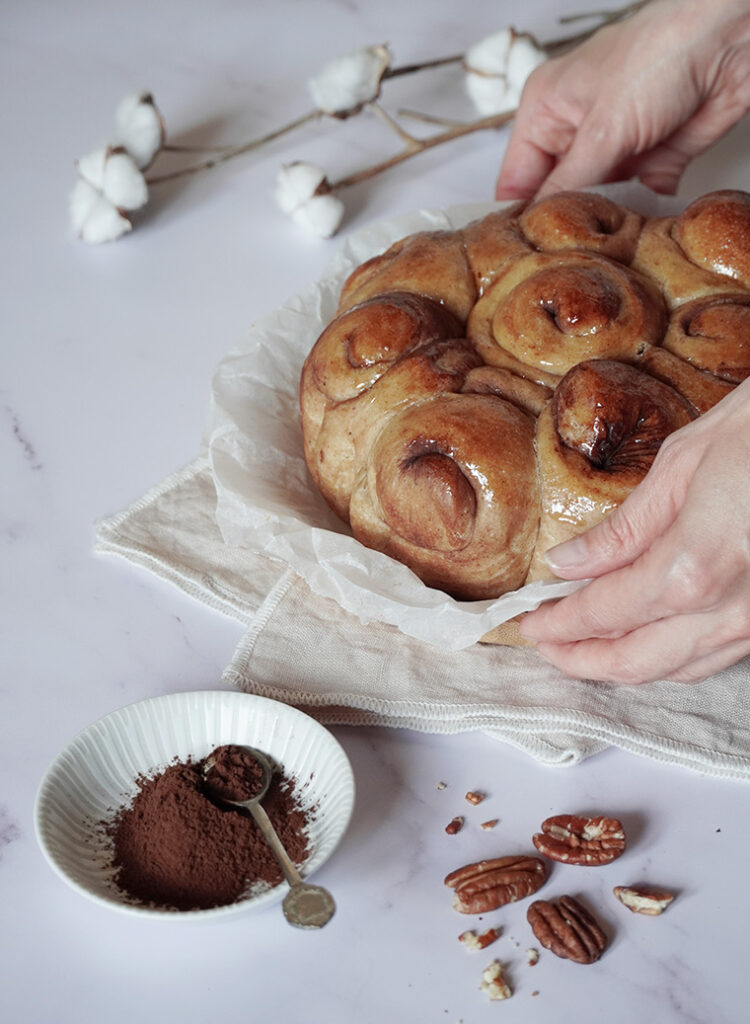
[(670, 595), (638, 99)]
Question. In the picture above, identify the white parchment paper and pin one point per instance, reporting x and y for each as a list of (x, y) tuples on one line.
[(266, 500)]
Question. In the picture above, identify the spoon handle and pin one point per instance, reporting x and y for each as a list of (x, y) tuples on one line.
[(291, 873)]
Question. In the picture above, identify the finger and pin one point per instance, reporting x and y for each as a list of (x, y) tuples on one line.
[(662, 166), (710, 664), (626, 533), (537, 139), (658, 650), (597, 149), (524, 168), (625, 599)]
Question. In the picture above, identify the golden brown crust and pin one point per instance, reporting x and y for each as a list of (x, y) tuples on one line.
[(370, 360), (487, 393), (548, 311), (703, 390), (596, 440), (704, 250), (582, 220), (713, 333), (568, 220), (435, 494), (431, 263)]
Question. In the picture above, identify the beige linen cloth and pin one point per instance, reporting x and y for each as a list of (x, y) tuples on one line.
[(262, 557)]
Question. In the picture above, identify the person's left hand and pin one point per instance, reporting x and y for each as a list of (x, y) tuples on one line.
[(670, 594)]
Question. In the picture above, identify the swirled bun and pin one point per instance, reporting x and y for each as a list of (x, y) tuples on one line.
[(705, 249), (595, 441), (435, 494), (484, 394), (548, 311)]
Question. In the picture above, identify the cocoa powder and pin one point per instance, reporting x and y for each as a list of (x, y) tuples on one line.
[(176, 847), (234, 775)]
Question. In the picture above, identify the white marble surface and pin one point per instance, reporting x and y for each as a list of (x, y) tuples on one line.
[(106, 360)]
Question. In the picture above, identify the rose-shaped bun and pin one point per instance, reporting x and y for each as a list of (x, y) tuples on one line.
[(582, 220), (450, 488), (705, 352), (567, 220), (706, 249), (368, 361), (596, 440), (713, 333), (549, 311), (431, 263)]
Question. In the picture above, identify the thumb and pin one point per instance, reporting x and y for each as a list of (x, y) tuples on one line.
[(626, 533)]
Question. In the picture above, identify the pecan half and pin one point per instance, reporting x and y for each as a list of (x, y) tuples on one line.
[(576, 840), (490, 884), (567, 929), (643, 900)]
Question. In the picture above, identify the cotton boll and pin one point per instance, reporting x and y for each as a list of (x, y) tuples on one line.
[(523, 58), (497, 68), (140, 127), (91, 166), (490, 95), (93, 217), (320, 215), (296, 183), (490, 55), (345, 84), (124, 185)]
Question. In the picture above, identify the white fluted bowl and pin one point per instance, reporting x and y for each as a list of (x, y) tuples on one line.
[(96, 774)]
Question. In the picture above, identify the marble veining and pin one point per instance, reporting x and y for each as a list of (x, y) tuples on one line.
[(10, 832), (27, 448)]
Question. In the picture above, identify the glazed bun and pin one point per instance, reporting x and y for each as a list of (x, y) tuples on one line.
[(484, 394)]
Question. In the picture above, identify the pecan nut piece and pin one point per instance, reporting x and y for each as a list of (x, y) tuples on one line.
[(577, 840), (490, 884), (567, 929), (642, 899)]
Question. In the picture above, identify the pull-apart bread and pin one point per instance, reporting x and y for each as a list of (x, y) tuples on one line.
[(487, 393)]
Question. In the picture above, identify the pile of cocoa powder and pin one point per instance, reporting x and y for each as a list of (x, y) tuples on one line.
[(176, 846)]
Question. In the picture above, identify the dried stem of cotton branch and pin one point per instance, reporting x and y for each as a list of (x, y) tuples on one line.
[(455, 132), (413, 146), (234, 151)]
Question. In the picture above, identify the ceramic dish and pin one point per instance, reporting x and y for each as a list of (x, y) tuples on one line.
[(96, 774)]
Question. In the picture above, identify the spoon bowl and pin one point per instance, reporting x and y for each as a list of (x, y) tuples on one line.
[(305, 905), (259, 786)]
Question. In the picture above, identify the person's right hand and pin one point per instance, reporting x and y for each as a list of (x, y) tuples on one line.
[(638, 99)]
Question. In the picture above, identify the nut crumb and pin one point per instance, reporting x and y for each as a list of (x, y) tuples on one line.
[(493, 982), (535, 992), (474, 797), (489, 824), (471, 940), (454, 826), (532, 957), (441, 785)]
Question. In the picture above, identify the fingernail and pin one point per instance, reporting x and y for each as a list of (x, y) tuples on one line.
[(508, 189), (566, 555)]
